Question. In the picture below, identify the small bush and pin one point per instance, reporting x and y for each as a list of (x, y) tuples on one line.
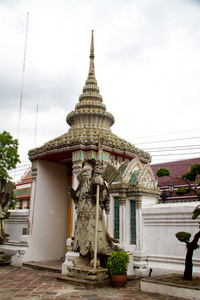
[(118, 263)]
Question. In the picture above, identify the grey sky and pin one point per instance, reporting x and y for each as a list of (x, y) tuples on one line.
[(147, 66)]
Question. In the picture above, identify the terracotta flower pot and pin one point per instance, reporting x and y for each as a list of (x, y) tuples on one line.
[(119, 280)]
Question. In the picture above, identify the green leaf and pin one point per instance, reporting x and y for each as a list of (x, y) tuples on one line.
[(183, 236), (193, 172), (196, 213), (161, 172), (181, 191), (8, 154), (118, 262)]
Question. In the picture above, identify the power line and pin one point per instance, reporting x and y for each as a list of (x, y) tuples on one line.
[(175, 149), (172, 154), (19, 167), (186, 146), (165, 141), (145, 137)]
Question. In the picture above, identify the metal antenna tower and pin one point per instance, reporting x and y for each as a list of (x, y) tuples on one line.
[(36, 119), (23, 71)]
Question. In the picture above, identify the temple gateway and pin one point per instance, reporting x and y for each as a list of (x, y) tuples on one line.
[(56, 166)]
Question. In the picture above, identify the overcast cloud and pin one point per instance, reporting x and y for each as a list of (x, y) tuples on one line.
[(147, 66)]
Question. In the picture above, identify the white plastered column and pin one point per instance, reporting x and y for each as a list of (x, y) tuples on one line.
[(123, 233), (139, 255), (77, 166), (122, 219), (110, 222), (48, 214), (139, 224), (71, 255)]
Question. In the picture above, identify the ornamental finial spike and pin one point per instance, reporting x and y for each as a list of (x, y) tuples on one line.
[(91, 68)]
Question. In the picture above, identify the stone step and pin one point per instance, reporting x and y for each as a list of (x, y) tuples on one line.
[(49, 266)]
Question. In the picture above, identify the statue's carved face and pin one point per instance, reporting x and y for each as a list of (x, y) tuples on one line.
[(87, 172)]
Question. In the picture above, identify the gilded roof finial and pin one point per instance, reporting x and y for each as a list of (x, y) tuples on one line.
[(91, 68)]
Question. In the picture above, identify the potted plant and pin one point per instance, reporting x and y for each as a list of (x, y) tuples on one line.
[(118, 265)]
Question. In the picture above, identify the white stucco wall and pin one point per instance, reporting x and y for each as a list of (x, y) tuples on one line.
[(147, 200), (15, 224), (48, 213), (161, 222), (14, 227)]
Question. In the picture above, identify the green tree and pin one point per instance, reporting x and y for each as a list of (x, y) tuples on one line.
[(192, 183), (8, 160), (8, 154)]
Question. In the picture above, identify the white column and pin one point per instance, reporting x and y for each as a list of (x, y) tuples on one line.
[(111, 215), (77, 166), (140, 256), (33, 197), (139, 224), (122, 219)]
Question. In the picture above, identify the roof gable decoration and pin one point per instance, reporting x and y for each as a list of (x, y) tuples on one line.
[(137, 174), (26, 176), (134, 165), (146, 178)]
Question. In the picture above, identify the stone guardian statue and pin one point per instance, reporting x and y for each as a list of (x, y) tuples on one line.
[(84, 199)]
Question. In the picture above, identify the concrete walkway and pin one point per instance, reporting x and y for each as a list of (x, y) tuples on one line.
[(25, 283)]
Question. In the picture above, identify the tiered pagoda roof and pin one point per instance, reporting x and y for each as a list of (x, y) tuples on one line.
[(88, 122)]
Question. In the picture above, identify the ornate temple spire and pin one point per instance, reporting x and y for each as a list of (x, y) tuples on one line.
[(89, 121), (91, 68), (90, 112)]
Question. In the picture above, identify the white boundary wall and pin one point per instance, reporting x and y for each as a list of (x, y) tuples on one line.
[(161, 222), (16, 226)]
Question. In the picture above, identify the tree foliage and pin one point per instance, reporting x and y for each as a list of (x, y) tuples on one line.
[(196, 212), (183, 236), (193, 173), (8, 154), (191, 179), (162, 172), (181, 191), (192, 184)]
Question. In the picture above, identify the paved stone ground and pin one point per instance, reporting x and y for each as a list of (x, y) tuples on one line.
[(24, 283)]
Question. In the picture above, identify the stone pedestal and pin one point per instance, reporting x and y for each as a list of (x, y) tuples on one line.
[(77, 270), (3, 259), (85, 276), (17, 259), (88, 273), (69, 257), (2, 256), (140, 263)]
